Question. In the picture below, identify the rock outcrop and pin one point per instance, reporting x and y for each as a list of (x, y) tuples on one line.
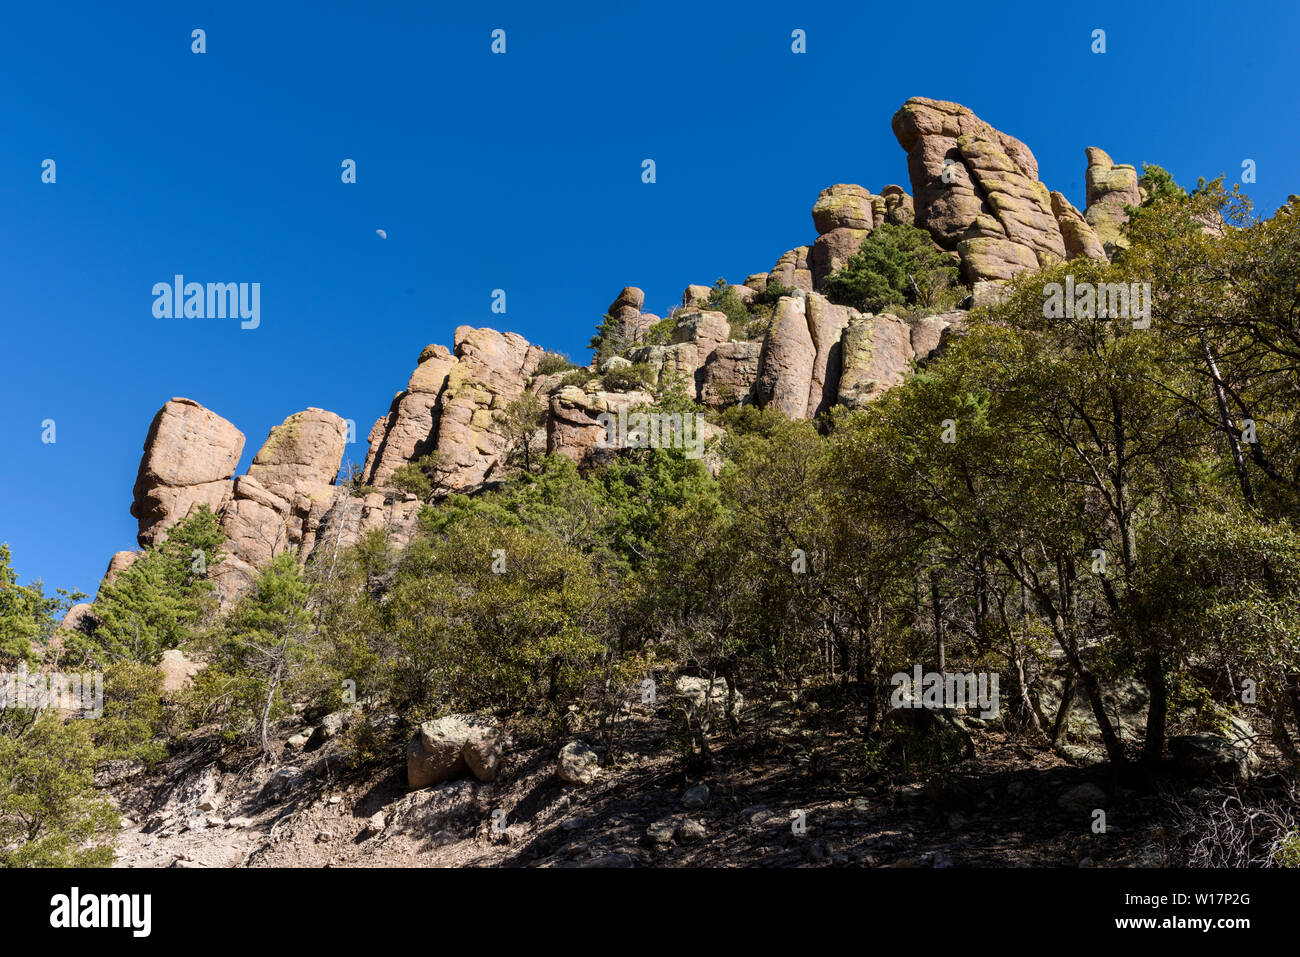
[(190, 457), (1111, 187), (844, 215), (793, 269), (626, 311), (1077, 233), (977, 191)]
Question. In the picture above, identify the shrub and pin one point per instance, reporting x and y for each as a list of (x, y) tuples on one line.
[(724, 299), (772, 293), (422, 477), (628, 378), (132, 726), (162, 601), (898, 265), (554, 362), (661, 333), (578, 377), (50, 814)]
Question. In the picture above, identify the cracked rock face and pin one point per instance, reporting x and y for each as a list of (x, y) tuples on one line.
[(977, 191)]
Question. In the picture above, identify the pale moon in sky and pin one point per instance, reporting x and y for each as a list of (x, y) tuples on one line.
[(381, 234)]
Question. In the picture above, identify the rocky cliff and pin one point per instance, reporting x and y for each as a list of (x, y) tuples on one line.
[(975, 189)]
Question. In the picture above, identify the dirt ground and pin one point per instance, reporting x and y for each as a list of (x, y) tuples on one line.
[(786, 766)]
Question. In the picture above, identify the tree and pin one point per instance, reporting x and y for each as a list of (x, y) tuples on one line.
[(523, 417), (50, 813), (425, 477), (264, 649), (27, 617), (608, 340), (897, 265), (161, 601)]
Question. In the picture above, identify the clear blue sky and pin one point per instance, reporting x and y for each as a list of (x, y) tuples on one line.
[(519, 172)]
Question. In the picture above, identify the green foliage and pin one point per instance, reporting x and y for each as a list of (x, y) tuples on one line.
[(897, 266), (521, 420), (771, 293), (1286, 853), (607, 341), (163, 600), (723, 298), (627, 378), (422, 478), (355, 480), (27, 617), (1159, 185), (661, 333), (265, 652), (50, 813), (578, 377), (492, 617), (133, 725), (553, 362)]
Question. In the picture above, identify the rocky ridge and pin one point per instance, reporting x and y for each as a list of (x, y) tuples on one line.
[(975, 189)]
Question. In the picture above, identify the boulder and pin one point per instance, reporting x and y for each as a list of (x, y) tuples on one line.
[(625, 310), (1082, 799), (1126, 703), (695, 692), (303, 451), (832, 250), (843, 206), (893, 205), (1079, 237), (578, 764), (492, 371), (440, 750), (930, 333), (178, 670), (573, 426), (190, 455), (729, 373), (483, 751), (793, 269), (826, 323), (706, 330), (119, 563), (409, 430), (1207, 755), (696, 297)]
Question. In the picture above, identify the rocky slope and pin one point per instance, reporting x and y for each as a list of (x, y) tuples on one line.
[(975, 189)]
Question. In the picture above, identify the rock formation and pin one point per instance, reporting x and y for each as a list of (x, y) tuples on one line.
[(977, 191), (190, 456), (974, 188), (1111, 187)]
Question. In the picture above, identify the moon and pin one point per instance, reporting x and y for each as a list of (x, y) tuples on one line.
[(381, 234)]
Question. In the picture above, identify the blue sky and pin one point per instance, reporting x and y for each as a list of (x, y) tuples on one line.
[(520, 172)]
